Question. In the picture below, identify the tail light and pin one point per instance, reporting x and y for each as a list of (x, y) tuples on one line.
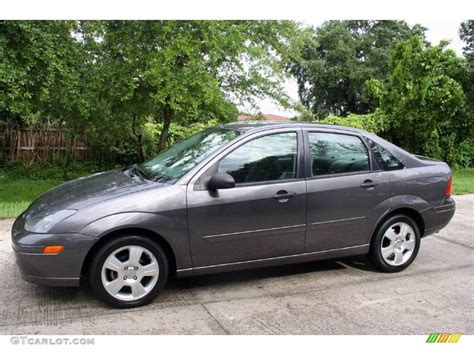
[(447, 191)]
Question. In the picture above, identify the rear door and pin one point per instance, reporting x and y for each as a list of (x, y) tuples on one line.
[(263, 216), (346, 191)]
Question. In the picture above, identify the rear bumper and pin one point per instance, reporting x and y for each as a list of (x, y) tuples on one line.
[(436, 218), (63, 269)]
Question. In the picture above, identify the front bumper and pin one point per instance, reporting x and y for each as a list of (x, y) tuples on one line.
[(63, 269)]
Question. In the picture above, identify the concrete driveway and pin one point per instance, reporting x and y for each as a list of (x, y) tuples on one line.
[(435, 294)]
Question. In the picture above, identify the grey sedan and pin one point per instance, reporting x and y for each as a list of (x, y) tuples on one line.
[(232, 197)]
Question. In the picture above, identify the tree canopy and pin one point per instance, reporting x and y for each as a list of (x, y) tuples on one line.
[(337, 59), (425, 102), (466, 33), (137, 86), (41, 73), (117, 75)]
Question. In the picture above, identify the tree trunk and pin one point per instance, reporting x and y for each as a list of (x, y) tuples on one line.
[(67, 160), (139, 136), (3, 144), (167, 116)]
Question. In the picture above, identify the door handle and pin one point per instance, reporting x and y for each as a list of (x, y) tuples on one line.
[(368, 184), (283, 196)]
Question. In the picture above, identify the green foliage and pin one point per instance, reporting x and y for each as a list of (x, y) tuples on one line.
[(466, 79), (425, 104), (466, 33), (183, 72), (304, 114), (112, 77), (42, 73), (374, 122), (137, 86), (337, 58), (259, 116), (151, 132)]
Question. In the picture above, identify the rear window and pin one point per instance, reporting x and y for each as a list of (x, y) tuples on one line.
[(385, 159)]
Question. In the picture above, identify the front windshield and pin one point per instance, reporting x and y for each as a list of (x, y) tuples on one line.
[(177, 160)]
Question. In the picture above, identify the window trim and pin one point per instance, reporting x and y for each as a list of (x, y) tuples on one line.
[(300, 156), (308, 169)]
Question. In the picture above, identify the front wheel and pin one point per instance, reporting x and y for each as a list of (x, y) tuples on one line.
[(128, 271), (395, 244)]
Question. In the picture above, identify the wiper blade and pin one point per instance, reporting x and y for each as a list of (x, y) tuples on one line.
[(136, 170), (158, 178)]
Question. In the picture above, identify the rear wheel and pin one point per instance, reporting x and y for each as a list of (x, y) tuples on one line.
[(395, 244), (129, 271)]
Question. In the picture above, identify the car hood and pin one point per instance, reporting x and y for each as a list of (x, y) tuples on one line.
[(86, 191)]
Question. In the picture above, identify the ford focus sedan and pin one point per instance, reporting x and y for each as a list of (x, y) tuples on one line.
[(232, 197)]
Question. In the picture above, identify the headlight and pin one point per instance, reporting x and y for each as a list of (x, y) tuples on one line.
[(43, 224)]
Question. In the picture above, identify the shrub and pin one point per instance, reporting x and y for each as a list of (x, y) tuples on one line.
[(376, 122)]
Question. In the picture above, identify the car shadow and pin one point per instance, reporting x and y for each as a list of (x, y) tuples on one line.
[(359, 262), (244, 276), (84, 295)]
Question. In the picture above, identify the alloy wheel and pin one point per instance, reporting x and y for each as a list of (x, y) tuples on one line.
[(398, 244), (130, 272)]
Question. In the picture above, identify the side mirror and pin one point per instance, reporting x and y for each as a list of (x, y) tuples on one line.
[(221, 181)]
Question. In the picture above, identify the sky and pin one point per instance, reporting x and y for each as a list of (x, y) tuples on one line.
[(437, 31)]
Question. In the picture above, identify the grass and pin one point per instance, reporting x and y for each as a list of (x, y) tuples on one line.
[(16, 195), (463, 181), (18, 189), (21, 184)]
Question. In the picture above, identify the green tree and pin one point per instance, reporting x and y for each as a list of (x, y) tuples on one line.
[(424, 103), (115, 78), (42, 73), (303, 113), (186, 71), (337, 59), (466, 33), (44, 77)]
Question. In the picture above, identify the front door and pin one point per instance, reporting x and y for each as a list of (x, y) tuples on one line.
[(263, 216), (346, 196)]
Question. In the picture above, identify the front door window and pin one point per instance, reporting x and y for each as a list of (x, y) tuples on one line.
[(268, 158)]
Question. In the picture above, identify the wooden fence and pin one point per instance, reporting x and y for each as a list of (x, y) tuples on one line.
[(42, 145)]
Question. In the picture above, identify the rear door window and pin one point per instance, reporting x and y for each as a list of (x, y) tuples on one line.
[(333, 153)]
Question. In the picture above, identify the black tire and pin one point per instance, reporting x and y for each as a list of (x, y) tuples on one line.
[(95, 270), (375, 253)]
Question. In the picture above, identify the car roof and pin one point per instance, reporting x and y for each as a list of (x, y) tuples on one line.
[(251, 126)]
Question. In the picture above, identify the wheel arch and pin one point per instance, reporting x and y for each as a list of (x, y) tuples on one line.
[(407, 211), (170, 254)]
